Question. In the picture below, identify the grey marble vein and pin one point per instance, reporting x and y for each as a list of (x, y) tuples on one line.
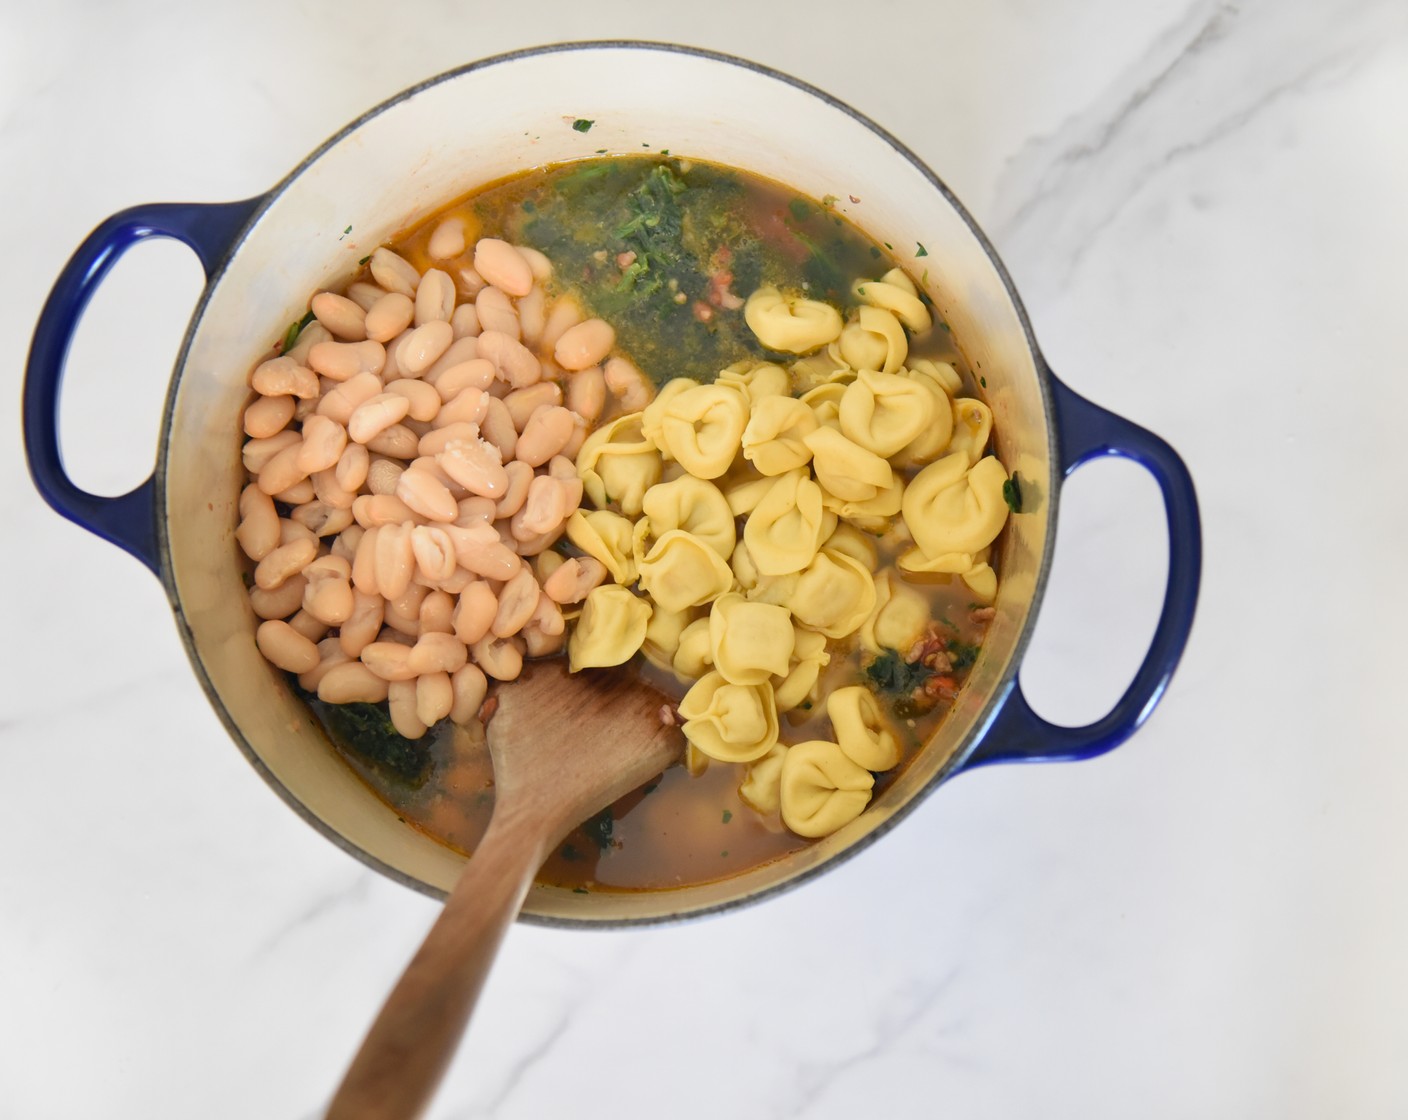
[(345, 894)]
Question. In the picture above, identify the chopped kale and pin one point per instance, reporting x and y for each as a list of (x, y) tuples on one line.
[(962, 654), (728, 816), (893, 676), (921, 251), (598, 829), (581, 124), (800, 209), (580, 890), (366, 731), (1012, 493), (294, 330)]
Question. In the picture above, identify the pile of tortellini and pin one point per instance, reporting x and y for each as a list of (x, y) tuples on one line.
[(816, 460)]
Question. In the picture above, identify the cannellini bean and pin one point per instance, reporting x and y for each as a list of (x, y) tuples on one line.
[(363, 624), (323, 443), (352, 467), (402, 706), (256, 453), (586, 392), (515, 363), (400, 628), (435, 298), (310, 627), (329, 597), (425, 344), (562, 316), (438, 653), (522, 403), (383, 475), (389, 316), (406, 608), (475, 612), (447, 241), (500, 658), (364, 295), (532, 316), (497, 428), (545, 435), (295, 495), (340, 315), (437, 610), (302, 409), (290, 531), (327, 491), (425, 401), (281, 644), (465, 321), (628, 385), (457, 582), (517, 600), (340, 403), (546, 563), (503, 266), (538, 263), (470, 687), (461, 350), (393, 368), (351, 683), (476, 509), (321, 518), (395, 560), (470, 283), (475, 465), (267, 416), (339, 361), (282, 601), (285, 561), (584, 345), (435, 697), (282, 471), (308, 338), (575, 441), (434, 551), (427, 495), (539, 643), (575, 579), (480, 549), (496, 313), (547, 617), (388, 660), (371, 511), (283, 377), (330, 654), (436, 440), (258, 532), (346, 542), (376, 415), (520, 477), (364, 563), (394, 273), (469, 406), (397, 441), (545, 509)]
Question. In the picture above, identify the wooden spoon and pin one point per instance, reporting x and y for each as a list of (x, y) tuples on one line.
[(563, 747)]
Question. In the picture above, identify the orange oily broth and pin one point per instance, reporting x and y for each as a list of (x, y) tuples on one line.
[(682, 829)]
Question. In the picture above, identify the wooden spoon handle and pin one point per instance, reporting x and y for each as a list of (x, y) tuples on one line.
[(410, 1044)]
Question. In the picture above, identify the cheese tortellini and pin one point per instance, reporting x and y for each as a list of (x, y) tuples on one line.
[(809, 658), (846, 470), (730, 722), (860, 728), (895, 292), (762, 787), (702, 428), (608, 537), (953, 509), (681, 571), (750, 642), (775, 440), (694, 505), (821, 789), (788, 525), (834, 595), (610, 630), (757, 381), (874, 341), (884, 411), (618, 464), (789, 323), (899, 615)]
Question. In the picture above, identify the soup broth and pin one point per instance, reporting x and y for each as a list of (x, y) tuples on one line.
[(667, 251)]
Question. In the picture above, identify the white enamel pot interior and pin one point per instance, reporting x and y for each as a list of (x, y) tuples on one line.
[(401, 162)]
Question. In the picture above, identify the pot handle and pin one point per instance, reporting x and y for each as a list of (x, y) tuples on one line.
[(129, 520), (1084, 431)]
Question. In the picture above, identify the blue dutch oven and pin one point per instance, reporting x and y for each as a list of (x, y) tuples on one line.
[(263, 256)]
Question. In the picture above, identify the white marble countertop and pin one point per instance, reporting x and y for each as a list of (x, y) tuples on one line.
[(1203, 206)]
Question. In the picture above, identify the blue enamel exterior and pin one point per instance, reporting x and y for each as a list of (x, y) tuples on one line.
[(1085, 431), (128, 521)]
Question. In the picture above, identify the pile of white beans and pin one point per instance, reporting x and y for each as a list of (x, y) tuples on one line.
[(420, 438)]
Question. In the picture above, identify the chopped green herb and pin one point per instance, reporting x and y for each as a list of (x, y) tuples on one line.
[(921, 251), (346, 231), (664, 151), (581, 124), (874, 252), (724, 854), (294, 330), (601, 151), (805, 705), (962, 654), (800, 209), (365, 259), (1012, 493), (889, 246), (983, 381), (599, 828), (580, 890), (892, 675), (728, 816)]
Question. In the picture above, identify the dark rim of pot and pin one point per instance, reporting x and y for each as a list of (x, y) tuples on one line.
[(991, 705)]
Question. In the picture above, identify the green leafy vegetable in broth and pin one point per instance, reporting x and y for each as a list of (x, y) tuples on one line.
[(893, 676), (366, 731), (294, 330), (1012, 492)]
